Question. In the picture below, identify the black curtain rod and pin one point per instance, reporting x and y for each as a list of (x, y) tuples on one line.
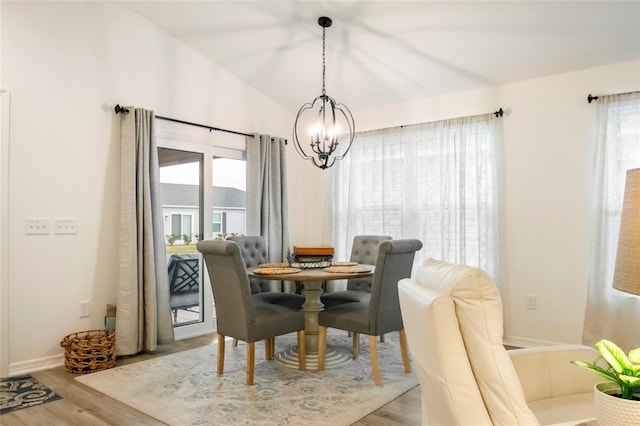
[(592, 98), (125, 110), (159, 117)]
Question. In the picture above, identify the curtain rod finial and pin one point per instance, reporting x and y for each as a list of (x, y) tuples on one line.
[(120, 109)]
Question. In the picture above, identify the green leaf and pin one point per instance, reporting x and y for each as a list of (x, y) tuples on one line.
[(629, 379), (634, 356), (615, 356), (594, 368)]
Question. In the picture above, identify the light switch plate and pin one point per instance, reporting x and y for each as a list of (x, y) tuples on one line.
[(36, 226), (66, 226)]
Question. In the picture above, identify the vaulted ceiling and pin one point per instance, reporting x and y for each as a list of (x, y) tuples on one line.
[(381, 52)]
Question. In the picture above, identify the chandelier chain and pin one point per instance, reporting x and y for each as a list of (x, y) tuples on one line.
[(324, 92)]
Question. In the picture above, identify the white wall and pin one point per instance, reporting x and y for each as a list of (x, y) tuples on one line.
[(549, 135), (67, 64)]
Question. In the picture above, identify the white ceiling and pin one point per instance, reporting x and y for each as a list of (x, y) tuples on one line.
[(381, 52)]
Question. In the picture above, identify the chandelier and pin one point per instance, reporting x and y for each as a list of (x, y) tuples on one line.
[(329, 126)]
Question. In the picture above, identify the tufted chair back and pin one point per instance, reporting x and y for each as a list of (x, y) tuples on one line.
[(365, 251), (254, 252)]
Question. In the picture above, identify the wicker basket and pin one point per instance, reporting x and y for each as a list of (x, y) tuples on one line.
[(89, 351)]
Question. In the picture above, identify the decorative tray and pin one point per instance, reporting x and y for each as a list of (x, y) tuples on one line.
[(310, 265), (275, 271), (347, 269)]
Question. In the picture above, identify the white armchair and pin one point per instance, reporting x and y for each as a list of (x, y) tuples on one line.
[(453, 320)]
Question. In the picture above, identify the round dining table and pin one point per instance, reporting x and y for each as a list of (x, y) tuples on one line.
[(312, 281)]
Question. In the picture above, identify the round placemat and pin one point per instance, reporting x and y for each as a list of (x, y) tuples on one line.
[(347, 269), (344, 263), (275, 271), (273, 265)]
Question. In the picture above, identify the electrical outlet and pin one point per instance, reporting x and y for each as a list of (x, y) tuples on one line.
[(36, 226), (85, 309), (532, 302)]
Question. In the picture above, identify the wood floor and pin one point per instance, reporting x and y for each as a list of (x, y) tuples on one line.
[(84, 406)]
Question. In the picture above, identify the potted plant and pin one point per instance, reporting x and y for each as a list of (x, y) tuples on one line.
[(618, 400)]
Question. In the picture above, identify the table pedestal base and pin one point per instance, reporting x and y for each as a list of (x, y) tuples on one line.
[(334, 358)]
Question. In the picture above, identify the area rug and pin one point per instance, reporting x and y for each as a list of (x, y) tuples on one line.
[(23, 392), (184, 389)]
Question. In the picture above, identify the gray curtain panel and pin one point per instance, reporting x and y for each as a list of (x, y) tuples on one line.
[(267, 205), (143, 313)]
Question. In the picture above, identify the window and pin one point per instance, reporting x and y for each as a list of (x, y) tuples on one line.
[(617, 150), (219, 225), (181, 224), (436, 182)]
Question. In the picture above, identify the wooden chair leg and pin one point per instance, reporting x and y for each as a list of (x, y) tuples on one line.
[(220, 353), (382, 338), (302, 352), (322, 347), (273, 347), (251, 361), (375, 367), (235, 342), (356, 345), (405, 351), (267, 348)]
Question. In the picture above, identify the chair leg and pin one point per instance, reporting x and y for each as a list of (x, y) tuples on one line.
[(220, 353), (267, 348), (375, 367), (251, 361), (302, 352), (235, 342), (272, 346), (322, 347), (356, 345), (405, 351), (382, 338)]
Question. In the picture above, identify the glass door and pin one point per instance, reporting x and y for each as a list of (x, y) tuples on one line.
[(181, 192), (229, 197), (202, 178)]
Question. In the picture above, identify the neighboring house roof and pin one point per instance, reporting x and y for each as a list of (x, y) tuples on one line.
[(174, 194)]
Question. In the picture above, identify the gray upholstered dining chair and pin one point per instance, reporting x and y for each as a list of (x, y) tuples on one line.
[(364, 250), (381, 314), (241, 316), (254, 253)]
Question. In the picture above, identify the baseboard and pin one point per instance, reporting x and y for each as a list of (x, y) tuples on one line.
[(523, 342), (26, 367)]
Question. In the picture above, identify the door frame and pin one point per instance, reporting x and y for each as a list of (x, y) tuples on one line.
[(5, 120)]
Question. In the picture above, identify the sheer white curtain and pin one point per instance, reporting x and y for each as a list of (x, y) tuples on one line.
[(437, 182), (143, 310), (612, 314)]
